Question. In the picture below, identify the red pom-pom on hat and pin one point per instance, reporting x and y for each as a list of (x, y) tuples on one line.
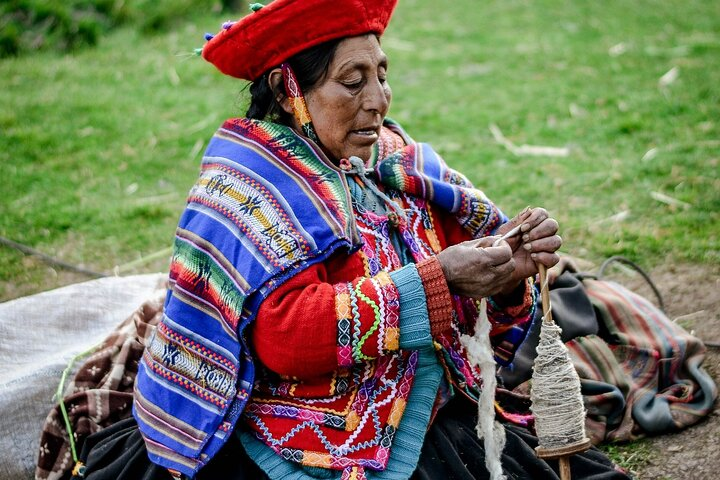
[(274, 33)]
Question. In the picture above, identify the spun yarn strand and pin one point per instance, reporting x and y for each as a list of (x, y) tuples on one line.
[(480, 353)]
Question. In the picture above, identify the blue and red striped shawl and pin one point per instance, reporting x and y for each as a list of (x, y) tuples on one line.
[(267, 204)]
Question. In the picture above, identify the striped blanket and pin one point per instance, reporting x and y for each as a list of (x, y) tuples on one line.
[(649, 361), (640, 372)]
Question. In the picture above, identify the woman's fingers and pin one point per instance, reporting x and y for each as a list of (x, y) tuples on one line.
[(515, 221), (497, 255), (546, 258), (496, 262), (536, 217), (546, 228), (547, 244), (480, 242), (504, 270), (479, 267), (475, 270)]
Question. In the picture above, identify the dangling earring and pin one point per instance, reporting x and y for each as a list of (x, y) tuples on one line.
[(297, 102)]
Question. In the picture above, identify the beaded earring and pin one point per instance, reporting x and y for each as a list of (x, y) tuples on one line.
[(297, 102)]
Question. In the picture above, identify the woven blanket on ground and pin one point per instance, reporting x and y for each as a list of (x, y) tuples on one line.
[(101, 393), (39, 334), (640, 372)]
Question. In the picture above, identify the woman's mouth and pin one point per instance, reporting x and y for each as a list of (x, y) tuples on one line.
[(366, 133)]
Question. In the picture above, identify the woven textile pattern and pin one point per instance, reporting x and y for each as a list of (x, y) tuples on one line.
[(348, 419), (267, 205)]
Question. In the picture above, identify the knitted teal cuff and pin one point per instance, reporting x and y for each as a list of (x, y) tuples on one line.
[(414, 320)]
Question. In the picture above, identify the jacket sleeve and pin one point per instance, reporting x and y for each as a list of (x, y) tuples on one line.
[(310, 326)]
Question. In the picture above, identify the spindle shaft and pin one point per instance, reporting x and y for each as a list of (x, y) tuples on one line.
[(545, 293)]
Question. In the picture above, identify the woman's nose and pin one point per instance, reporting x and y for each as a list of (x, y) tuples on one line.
[(377, 96)]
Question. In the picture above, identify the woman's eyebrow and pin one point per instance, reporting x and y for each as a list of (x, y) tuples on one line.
[(362, 64)]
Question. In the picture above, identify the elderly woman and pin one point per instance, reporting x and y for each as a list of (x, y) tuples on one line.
[(324, 269)]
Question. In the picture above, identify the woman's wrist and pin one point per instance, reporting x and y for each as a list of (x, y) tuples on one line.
[(437, 295)]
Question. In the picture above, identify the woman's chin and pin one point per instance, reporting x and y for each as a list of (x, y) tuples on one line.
[(362, 151)]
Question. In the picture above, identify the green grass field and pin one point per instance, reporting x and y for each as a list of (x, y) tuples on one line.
[(98, 148)]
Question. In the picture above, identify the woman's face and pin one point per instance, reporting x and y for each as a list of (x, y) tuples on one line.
[(349, 104)]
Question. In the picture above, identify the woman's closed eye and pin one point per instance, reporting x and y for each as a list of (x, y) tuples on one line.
[(353, 84)]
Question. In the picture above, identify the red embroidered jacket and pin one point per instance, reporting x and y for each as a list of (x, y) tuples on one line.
[(329, 343)]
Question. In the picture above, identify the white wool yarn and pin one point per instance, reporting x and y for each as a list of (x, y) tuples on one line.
[(480, 353)]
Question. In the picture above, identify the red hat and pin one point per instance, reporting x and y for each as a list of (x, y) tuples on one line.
[(274, 33)]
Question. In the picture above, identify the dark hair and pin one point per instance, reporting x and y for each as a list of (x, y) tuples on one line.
[(310, 67)]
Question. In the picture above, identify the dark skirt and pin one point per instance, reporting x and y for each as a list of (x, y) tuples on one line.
[(451, 451)]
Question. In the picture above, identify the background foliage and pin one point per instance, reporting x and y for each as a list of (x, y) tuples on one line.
[(27, 25), (99, 146)]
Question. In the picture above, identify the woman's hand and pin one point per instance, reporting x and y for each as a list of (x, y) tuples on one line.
[(477, 268), (537, 242)]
